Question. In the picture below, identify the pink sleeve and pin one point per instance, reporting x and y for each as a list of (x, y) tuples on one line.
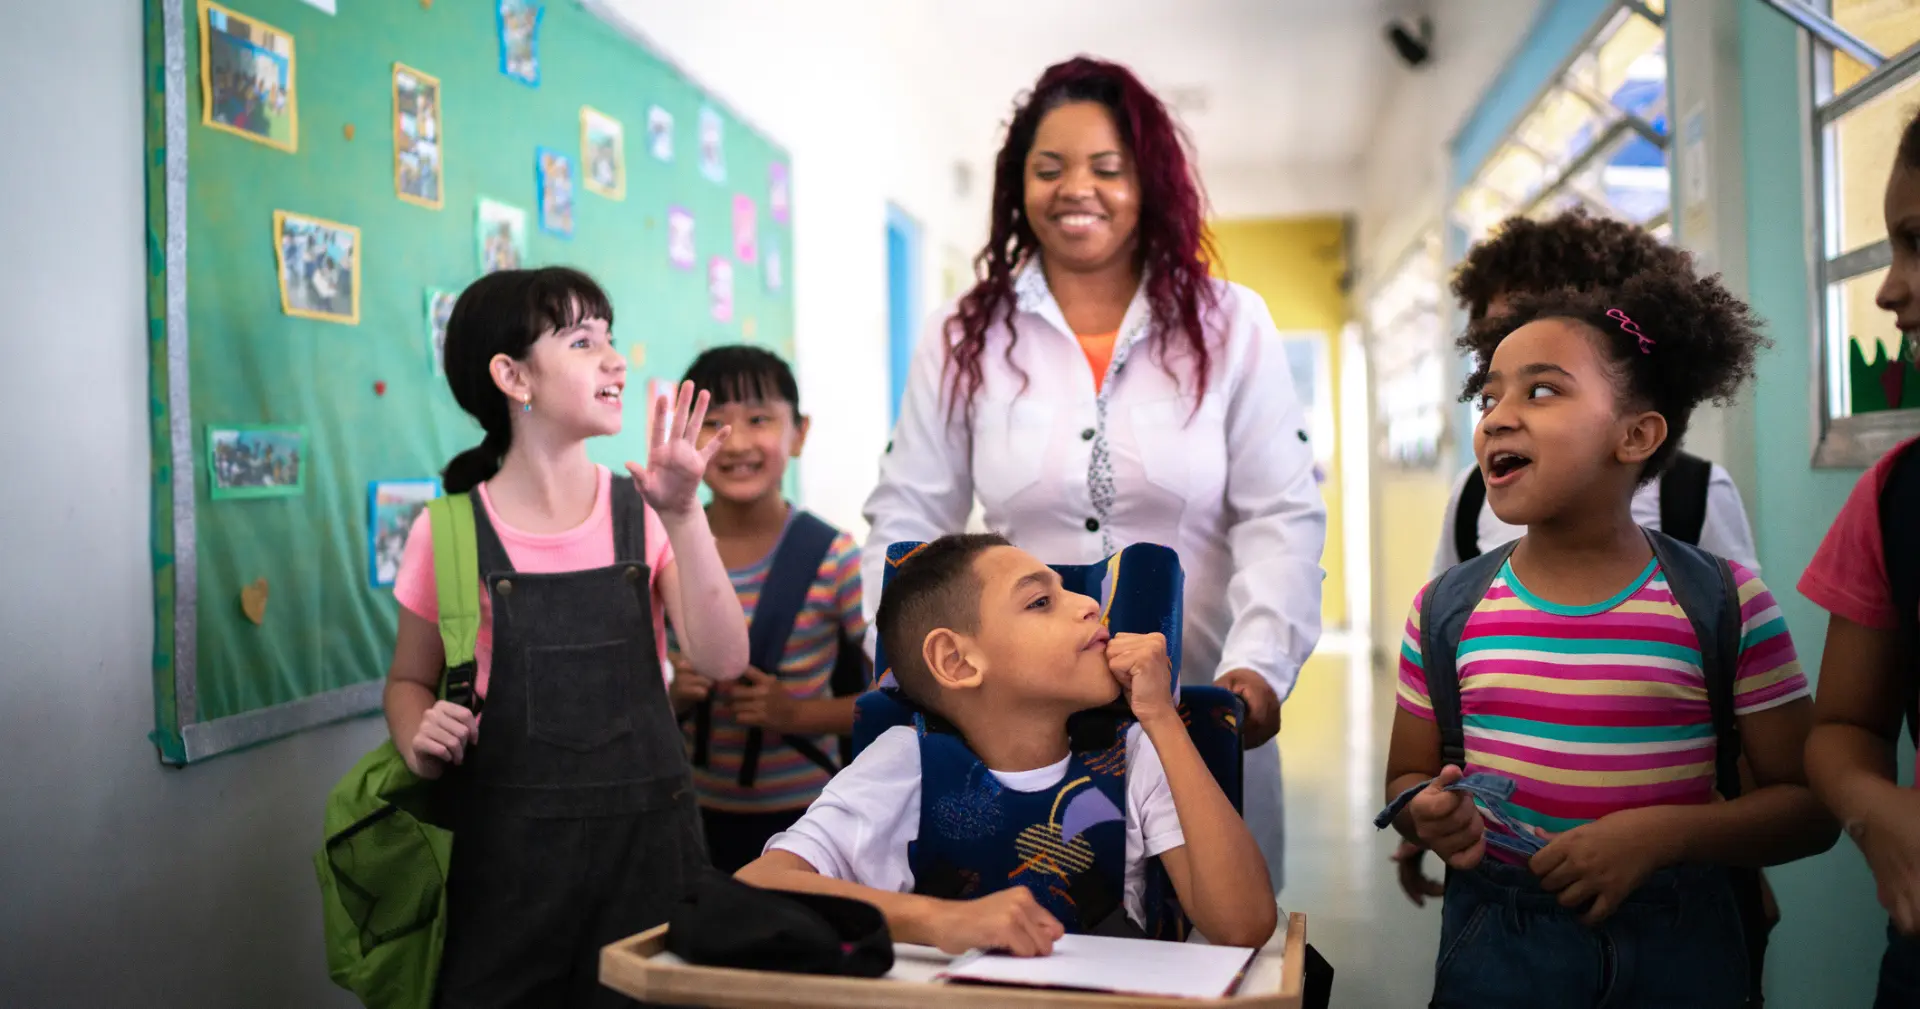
[(414, 585), (1848, 574), (1411, 693)]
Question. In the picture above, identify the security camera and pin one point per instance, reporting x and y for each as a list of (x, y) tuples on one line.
[(1414, 44)]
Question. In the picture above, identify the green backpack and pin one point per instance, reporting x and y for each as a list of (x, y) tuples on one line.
[(383, 864)]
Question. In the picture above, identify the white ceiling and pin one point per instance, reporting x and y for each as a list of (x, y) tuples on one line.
[(1290, 87)]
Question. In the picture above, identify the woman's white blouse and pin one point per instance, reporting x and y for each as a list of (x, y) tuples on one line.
[(1071, 476)]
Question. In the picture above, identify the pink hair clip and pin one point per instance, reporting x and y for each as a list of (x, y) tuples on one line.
[(1627, 326)]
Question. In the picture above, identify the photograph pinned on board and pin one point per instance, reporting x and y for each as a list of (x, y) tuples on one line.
[(776, 273), (501, 230), (681, 251), (319, 266), (519, 25), (779, 192), (392, 506), (247, 78), (439, 312), (256, 461), (554, 179), (713, 157), (417, 171), (660, 133), (746, 227), (720, 288), (604, 151)]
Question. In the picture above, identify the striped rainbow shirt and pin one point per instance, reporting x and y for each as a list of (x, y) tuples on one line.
[(1596, 709), (785, 779)]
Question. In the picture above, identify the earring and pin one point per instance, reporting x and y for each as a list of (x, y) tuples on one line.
[(526, 405)]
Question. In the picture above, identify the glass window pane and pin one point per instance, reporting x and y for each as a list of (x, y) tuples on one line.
[(1887, 25), (1878, 371), (1629, 178), (1562, 126), (1479, 209), (1628, 67), (1514, 172), (1864, 144)]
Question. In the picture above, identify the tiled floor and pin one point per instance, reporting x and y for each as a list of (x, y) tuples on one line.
[(1333, 744)]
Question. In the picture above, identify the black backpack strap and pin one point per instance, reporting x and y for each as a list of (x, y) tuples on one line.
[(1444, 608), (1683, 497), (1466, 516), (1900, 542), (795, 566)]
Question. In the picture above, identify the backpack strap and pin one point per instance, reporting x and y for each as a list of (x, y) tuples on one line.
[(1444, 608), (1466, 517), (456, 578), (1900, 543), (790, 576), (1703, 587), (1683, 497)]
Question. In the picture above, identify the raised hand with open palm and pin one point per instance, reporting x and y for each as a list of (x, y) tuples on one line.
[(675, 464)]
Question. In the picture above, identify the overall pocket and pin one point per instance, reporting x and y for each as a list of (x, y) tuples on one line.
[(580, 697)]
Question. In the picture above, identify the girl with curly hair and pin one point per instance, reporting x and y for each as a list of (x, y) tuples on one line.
[(1605, 874), (1097, 388)]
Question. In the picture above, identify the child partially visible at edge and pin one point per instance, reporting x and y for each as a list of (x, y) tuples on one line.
[(756, 399), (1867, 672), (1581, 679), (575, 819), (984, 636)]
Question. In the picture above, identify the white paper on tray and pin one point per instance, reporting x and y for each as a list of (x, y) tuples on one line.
[(1121, 966)]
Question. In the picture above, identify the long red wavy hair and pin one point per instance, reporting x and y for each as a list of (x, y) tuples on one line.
[(1172, 249)]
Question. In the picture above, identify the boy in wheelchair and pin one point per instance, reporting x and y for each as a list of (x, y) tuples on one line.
[(991, 821)]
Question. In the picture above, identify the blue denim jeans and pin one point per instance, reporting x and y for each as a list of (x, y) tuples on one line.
[(1675, 942), (1899, 973)]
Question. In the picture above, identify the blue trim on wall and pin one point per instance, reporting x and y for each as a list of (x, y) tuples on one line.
[(1556, 31), (903, 307)]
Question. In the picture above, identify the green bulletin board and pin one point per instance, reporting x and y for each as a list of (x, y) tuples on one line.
[(269, 615)]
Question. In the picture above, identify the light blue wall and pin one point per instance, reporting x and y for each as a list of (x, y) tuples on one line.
[(1831, 933)]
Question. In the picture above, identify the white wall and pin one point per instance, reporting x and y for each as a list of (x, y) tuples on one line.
[(837, 83), (121, 883), (1404, 180)]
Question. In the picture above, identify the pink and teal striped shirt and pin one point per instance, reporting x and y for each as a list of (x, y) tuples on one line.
[(784, 779), (1596, 709)]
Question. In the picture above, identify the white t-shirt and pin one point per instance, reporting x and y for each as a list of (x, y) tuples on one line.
[(859, 828), (1724, 533)]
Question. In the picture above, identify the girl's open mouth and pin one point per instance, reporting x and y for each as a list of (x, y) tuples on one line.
[(1505, 467)]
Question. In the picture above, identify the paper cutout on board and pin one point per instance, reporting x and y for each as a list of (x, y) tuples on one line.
[(775, 271), (325, 5), (746, 245), (720, 288), (637, 355), (392, 507), (779, 192), (501, 232), (439, 310), (253, 601), (518, 22), (680, 248), (256, 462), (417, 170), (660, 133), (553, 178), (319, 266), (603, 145), (713, 157), (247, 82)]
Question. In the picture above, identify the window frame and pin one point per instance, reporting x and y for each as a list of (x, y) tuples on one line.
[(1849, 441), (1614, 125), (1427, 243)]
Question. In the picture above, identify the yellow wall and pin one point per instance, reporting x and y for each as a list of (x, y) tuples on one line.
[(1296, 264), (1408, 511)]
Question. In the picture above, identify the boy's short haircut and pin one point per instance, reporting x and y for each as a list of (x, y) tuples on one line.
[(1573, 250), (934, 587), (741, 373)]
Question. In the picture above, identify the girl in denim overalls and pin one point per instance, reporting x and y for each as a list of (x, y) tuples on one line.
[(575, 820), (1602, 877)]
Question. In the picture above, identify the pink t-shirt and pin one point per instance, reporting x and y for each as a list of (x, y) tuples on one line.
[(585, 547), (1848, 574)]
